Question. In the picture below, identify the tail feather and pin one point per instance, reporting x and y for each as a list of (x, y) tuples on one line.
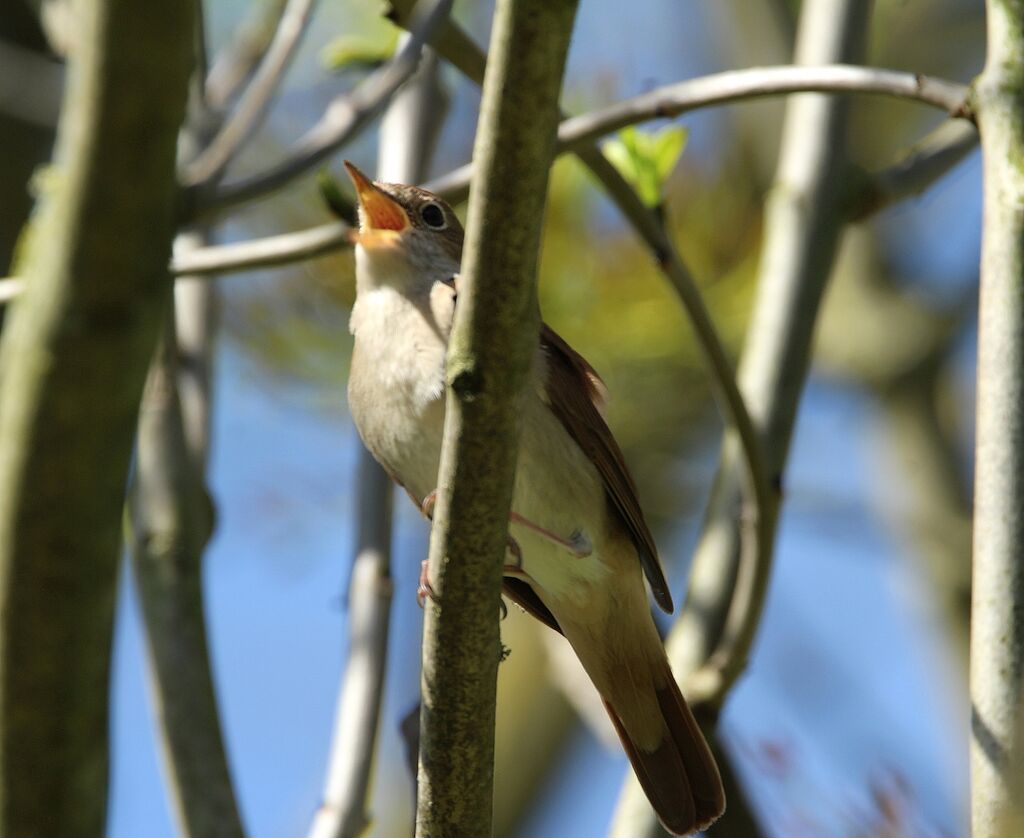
[(701, 770), (679, 776)]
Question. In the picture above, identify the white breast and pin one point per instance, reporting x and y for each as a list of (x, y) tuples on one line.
[(396, 386)]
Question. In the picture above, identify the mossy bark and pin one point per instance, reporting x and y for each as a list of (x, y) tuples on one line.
[(493, 341), (73, 361)]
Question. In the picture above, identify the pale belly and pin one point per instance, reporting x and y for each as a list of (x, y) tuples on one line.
[(402, 428), (400, 417)]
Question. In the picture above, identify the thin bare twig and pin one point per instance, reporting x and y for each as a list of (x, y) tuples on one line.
[(268, 251), (922, 166), (577, 132), (916, 171), (344, 118), (252, 108), (234, 65), (408, 131)]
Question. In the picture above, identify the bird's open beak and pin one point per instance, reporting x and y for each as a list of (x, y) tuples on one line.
[(382, 218)]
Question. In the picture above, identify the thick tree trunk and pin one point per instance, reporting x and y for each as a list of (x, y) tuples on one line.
[(73, 361)]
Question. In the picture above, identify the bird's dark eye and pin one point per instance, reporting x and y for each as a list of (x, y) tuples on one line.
[(433, 216)]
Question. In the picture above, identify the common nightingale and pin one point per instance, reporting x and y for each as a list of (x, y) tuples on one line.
[(583, 544)]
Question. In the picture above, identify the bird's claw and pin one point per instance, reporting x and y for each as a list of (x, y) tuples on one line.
[(427, 505), (425, 589)]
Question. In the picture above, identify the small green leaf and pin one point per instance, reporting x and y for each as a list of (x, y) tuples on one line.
[(349, 52), (645, 159), (667, 147)]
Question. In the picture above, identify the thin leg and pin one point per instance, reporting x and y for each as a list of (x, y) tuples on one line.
[(577, 543), (425, 589), (427, 506)]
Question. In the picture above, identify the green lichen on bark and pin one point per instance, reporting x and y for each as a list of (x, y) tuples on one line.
[(73, 362), (494, 337)]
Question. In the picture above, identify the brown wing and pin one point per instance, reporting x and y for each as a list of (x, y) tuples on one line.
[(575, 392), (526, 598)]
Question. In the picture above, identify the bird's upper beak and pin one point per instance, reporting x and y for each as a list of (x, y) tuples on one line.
[(382, 217)]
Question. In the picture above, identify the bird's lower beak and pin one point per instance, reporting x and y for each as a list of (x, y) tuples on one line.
[(381, 217)]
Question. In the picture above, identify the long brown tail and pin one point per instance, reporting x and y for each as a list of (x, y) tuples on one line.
[(679, 777), (627, 663)]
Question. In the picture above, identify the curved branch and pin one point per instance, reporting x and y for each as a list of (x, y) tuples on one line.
[(577, 132), (755, 82), (265, 252), (252, 108), (344, 118), (804, 220)]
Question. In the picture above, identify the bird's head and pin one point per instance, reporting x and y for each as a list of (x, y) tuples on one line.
[(407, 237)]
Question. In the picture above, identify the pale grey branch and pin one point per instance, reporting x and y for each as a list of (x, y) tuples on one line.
[(234, 65), (408, 131), (264, 252), (923, 165), (803, 225), (997, 621), (255, 102), (673, 100), (344, 118)]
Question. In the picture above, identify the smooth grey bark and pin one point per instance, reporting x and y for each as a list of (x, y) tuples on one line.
[(802, 227), (493, 341), (997, 624), (172, 521), (72, 365), (407, 135), (715, 630)]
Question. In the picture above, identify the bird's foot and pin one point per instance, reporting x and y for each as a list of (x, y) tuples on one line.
[(425, 589), (427, 505), (577, 543)]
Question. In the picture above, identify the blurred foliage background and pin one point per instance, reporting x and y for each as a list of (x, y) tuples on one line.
[(865, 633)]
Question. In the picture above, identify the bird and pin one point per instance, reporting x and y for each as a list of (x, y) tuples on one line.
[(582, 546)]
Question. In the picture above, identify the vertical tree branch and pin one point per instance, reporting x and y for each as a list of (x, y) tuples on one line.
[(997, 625), (171, 517), (73, 363), (255, 102), (408, 131), (803, 222), (728, 580), (492, 345), (172, 520)]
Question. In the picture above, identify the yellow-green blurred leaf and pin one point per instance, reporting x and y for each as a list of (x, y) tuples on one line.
[(348, 52), (647, 159)]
